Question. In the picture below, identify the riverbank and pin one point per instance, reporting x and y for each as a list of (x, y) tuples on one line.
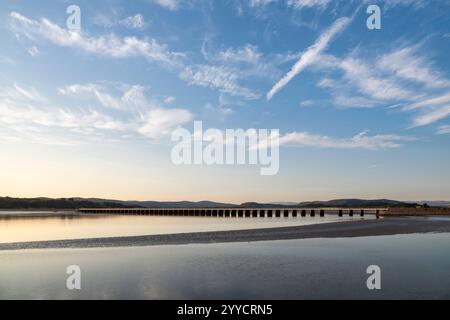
[(350, 229), (416, 212)]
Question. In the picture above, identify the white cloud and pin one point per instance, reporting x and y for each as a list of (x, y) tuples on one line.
[(97, 91), (110, 45), (30, 114), (255, 3), (405, 64), (34, 51), (11, 114), (299, 4), (21, 94), (169, 100), (401, 78), (359, 141), (409, 3), (351, 101), (134, 22), (169, 4), (429, 102), (364, 76), (222, 78), (343, 96), (431, 116), (307, 103), (248, 54), (131, 97), (160, 122), (246, 62), (444, 129), (309, 56), (296, 4), (377, 87)]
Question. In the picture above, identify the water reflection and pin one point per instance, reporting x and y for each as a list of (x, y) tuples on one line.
[(413, 267), (20, 228)]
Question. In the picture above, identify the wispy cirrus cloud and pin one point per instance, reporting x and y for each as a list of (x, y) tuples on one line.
[(296, 4), (136, 21), (171, 4), (431, 115), (372, 84), (223, 74), (445, 129), (402, 78), (110, 45), (225, 79), (31, 115), (409, 66), (309, 56), (299, 4), (246, 54), (140, 113), (95, 90), (430, 101), (21, 94), (362, 141), (359, 141)]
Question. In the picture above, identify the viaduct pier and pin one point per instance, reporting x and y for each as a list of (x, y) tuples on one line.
[(237, 212)]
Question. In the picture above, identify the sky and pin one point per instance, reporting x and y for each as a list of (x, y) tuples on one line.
[(361, 113)]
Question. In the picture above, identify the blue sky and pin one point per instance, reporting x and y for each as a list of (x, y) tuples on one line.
[(361, 113)]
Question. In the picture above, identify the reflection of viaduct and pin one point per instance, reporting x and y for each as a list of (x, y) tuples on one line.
[(238, 212)]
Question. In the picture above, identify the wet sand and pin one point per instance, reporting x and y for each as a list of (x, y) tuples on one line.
[(349, 229)]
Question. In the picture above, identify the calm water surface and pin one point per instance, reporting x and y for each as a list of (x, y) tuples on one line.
[(413, 267), (16, 227)]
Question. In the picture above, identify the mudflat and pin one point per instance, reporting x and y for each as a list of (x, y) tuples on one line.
[(348, 229)]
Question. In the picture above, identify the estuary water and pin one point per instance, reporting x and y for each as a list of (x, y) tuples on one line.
[(413, 266), (40, 226)]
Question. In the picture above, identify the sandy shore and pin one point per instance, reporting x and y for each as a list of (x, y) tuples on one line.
[(350, 229)]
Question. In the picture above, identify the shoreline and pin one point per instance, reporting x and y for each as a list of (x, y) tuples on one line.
[(347, 229)]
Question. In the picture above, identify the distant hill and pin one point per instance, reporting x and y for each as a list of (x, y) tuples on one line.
[(163, 204), (356, 203), (181, 204), (264, 205), (76, 203), (57, 204), (341, 203)]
